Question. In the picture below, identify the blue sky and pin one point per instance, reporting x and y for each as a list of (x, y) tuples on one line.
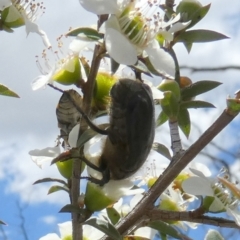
[(29, 122)]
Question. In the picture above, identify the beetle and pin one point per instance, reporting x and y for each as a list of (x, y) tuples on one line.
[(130, 134)]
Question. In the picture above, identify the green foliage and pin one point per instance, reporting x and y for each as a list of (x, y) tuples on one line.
[(90, 33), (105, 227), (162, 149), (5, 91), (162, 118), (57, 188), (184, 121), (165, 228), (198, 88), (113, 215)]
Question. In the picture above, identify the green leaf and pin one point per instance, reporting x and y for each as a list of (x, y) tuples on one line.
[(213, 235), (134, 237), (170, 105), (5, 91), (69, 208), (199, 15), (113, 215), (90, 33), (162, 118), (141, 68), (196, 104), (57, 188), (50, 180), (105, 227), (188, 46), (114, 65), (165, 228), (88, 134), (184, 121), (162, 149), (192, 11), (198, 88), (2, 222), (199, 35)]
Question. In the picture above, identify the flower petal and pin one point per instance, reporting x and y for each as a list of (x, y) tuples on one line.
[(78, 44), (100, 7), (73, 136), (50, 236), (65, 229), (197, 186), (178, 26), (120, 48), (33, 27), (40, 156), (161, 60), (42, 80)]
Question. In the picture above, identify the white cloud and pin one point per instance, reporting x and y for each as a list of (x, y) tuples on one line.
[(50, 219)]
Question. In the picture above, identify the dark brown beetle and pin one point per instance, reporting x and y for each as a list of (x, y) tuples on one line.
[(130, 134)]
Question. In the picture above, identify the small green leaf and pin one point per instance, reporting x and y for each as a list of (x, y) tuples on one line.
[(2, 222), (162, 149), (5, 91), (162, 118), (199, 15), (199, 35), (88, 134), (105, 227), (50, 180), (90, 33), (184, 121), (57, 188), (113, 215), (69, 208), (170, 105), (213, 235), (165, 228), (141, 68), (198, 88), (114, 65), (196, 104), (188, 46)]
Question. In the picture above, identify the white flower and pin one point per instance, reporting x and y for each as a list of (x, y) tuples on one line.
[(131, 31), (206, 186), (41, 156), (65, 230), (114, 188), (65, 70), (167, 32), (22, 12)]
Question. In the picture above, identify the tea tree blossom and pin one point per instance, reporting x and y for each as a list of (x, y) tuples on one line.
[(131, 30), (224, 199), (17, 13), (65, 230), (64, 69)]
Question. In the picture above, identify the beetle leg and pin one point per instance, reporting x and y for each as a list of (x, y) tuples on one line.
[(89, 122)]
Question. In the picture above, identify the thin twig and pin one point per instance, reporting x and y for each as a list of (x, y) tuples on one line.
[(210, 69), (190, 216)]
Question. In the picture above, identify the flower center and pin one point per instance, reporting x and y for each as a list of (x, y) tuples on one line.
[(139, 24)]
